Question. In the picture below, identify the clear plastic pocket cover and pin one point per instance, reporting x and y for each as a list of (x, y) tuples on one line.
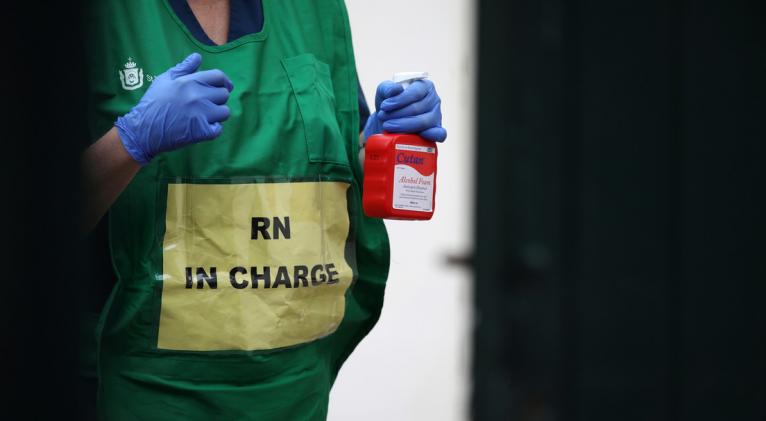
[(253, 266)]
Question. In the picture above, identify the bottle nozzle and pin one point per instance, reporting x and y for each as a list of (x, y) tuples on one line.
[(405, 78)]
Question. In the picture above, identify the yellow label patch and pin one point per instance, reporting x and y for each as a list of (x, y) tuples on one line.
[(253, 266)]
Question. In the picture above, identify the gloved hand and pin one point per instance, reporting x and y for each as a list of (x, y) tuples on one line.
[(416, 109), (181, 107)]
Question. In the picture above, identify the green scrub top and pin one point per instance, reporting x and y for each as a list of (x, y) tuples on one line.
[(246, 270)]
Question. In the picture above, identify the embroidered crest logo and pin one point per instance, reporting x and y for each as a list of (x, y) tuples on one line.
[(132, 77)]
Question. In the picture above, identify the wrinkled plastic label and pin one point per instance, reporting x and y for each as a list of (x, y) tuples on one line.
[(253, 266)]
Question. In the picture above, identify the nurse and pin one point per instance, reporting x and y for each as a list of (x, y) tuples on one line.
[(210, 114)]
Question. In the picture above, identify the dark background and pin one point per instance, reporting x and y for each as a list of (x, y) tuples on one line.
[(43, 128), (620, 263)]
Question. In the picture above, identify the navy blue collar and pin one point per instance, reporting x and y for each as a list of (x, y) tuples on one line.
[(245, 17)]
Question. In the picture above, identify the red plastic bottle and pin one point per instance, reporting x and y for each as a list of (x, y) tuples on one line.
[(400, 171), (399, 177)]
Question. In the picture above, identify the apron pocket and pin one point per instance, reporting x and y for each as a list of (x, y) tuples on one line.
[(312, 86)]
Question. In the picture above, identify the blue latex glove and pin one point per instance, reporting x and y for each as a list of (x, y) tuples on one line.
[(181, 107), (416, 109)]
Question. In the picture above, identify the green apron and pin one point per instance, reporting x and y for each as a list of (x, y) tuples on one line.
[(246, 270)]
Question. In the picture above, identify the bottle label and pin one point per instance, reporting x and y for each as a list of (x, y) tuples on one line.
[(414, 178)]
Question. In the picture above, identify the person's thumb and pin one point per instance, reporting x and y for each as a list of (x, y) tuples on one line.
[(189, 65)]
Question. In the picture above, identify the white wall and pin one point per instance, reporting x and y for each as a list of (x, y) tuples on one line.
[(414, 365)]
